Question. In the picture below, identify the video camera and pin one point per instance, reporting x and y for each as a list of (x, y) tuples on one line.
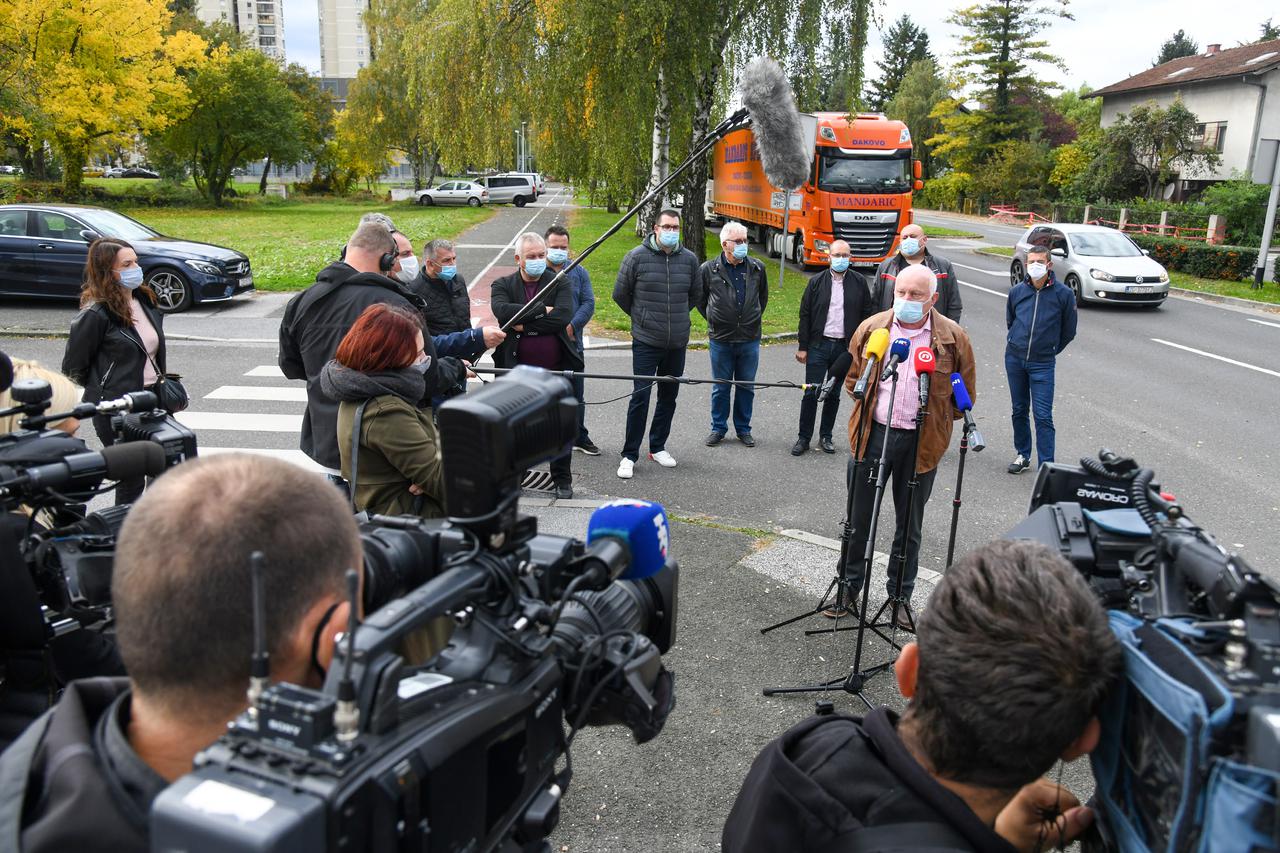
[(462, 751), (1190, 751)]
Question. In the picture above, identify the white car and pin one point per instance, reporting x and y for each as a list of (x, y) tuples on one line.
[(113, 172), (454, 192), (1099, 264)]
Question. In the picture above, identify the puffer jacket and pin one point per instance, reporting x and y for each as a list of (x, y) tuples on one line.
[(726, 322), (658, 290), (447, 304)]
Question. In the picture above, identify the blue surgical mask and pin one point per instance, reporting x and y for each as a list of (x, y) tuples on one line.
[(910, 246), (447, 273), (557, 256), (907, 311), (131, 277), (535, 267), (839, 264), (670, 239), (740, 250)]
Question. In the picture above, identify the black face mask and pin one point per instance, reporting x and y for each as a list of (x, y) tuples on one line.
[(315, 641)]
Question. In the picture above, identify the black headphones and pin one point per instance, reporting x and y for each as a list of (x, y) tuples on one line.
[(388, 259)]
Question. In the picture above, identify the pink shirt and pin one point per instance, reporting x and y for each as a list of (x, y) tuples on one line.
[(150, 340), (907, 401), (835, 310)]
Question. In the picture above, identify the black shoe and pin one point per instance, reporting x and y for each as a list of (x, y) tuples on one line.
[(800, 447), (746, 439), (564, 493), (714, 439), (904, 620), (587, 447), (1019, 464), (826, 445)]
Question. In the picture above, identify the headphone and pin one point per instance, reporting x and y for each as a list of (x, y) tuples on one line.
[(388, 259)]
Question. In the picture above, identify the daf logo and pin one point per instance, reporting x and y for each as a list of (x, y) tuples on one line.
[(1138, 280), (1109, 497), (863, 217)]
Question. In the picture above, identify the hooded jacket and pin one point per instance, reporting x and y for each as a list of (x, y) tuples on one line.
[(949, 304), (718, 303), (658, 290), (1041, 322)]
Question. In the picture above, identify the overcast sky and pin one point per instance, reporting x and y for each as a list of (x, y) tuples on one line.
[(1108, 41)]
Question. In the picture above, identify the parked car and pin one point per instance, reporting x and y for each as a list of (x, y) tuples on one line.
[(139, 172), (10, 170), (43, 249), (1099, 264), (113, 172), (535, 178), (454, 192), (510, 189), (91, 171)]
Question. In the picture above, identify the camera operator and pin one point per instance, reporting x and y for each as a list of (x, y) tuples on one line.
[(1011, 663), (85, 774)]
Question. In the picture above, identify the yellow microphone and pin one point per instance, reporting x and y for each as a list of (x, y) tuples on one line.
[(877, 343)]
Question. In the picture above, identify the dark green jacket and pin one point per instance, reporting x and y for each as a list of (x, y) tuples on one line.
[(399, 447)]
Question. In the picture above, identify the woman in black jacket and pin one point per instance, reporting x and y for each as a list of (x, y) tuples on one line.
[(116, 344)]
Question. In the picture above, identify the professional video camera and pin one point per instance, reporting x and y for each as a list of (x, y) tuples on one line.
[(1190, 751), (460, 752)]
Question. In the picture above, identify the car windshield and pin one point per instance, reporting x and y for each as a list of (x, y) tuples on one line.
[(840, 172), (1103, 245), (108, 223)]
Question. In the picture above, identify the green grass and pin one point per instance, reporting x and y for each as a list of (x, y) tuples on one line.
[(781, 315), (1269, 293), (937, 231), (288, 242), (1000, 251)]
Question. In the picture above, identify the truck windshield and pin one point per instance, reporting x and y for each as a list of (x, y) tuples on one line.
[(840, 172)]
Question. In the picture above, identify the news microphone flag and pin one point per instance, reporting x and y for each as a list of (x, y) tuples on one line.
[(964, 403), (900, 350), (924, 362), (641, 527), (960, 393), (877, 343)]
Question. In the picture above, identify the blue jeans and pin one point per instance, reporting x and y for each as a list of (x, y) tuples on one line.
[(1031, 389), (733, 361), (652, 361), (579, 389), (822, 352)]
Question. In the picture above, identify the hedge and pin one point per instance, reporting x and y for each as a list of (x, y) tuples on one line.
[(159, 194), (1232, 263)]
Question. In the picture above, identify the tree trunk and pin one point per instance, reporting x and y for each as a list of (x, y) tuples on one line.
[(74, 155), (695, 182), (266, 170), (659, 160)]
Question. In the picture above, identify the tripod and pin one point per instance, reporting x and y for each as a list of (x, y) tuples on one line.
[(857, 678)]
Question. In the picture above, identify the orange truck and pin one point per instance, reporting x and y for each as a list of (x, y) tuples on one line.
[(859, 190)]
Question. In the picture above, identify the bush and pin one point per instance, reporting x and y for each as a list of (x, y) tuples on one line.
[(1232, 263), (159, 194), (947, 192), (1244, 203)]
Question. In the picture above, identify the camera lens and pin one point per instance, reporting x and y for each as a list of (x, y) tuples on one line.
[(395, 561)]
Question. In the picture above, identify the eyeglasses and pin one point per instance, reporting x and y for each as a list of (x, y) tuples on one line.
[(737, 242), (668, 227)]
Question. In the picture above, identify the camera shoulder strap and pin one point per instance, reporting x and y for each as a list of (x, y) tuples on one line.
[(356, 426)]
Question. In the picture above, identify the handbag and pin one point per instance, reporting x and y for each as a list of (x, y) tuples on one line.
[(169, 390)]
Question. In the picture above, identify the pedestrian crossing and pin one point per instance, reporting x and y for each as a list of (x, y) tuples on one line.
[(261, 423)]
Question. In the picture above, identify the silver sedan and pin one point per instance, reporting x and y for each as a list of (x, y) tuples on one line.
[(1099, 264)]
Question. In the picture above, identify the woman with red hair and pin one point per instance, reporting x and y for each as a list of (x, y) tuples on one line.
[(378, 379)]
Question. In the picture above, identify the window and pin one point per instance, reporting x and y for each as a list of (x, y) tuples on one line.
[(447, 187), (1212, 135), (864, 173), (55, 226), (13, 223)]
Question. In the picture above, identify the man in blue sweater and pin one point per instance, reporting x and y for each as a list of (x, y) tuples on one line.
[(1041, 317)]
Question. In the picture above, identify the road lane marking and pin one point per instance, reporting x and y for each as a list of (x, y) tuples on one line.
[(292, 394), (1263, 323), (1219, 357), (512, 242), (269, 371), (240, 421), (985, 272)]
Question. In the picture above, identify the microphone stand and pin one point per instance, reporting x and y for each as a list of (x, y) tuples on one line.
[(857, 678), (955, 502)]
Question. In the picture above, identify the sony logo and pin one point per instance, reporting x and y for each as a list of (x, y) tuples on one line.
[(1110, 497), (284, 728), (545, 704)]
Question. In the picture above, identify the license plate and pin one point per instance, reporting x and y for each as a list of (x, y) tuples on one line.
[(1140, 289), (246, 281)]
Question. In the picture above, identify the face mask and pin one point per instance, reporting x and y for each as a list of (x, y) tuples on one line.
[(535, 267), (907, 311), (910, 246), (839, 264), (670, 239), (740, 250), (131, 277), (557, 256), (408, 269), (1037, 270), (447, 273)]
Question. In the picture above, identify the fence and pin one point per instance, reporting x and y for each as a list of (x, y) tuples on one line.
[(1209, 228)]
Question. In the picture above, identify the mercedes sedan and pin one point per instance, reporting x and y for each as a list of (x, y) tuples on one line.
[(43, 249), (1099, 264)]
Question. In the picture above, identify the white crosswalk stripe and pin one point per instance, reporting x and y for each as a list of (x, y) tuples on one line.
[(240, 421), (268, 371), (296, 393)]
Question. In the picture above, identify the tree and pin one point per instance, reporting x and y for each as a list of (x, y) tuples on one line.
[(315, 126), (1158, 144), (905, 44), (1268, 31), (1177, 46), (78, 75), (922, 88), (1016, 172)]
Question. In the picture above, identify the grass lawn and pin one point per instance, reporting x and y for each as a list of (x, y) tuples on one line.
[(938, 231), (1270, 291), (1001, 251), (289, 242), (781, 315)]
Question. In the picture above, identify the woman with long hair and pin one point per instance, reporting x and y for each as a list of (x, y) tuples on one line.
[(116, 344), (378, 376)]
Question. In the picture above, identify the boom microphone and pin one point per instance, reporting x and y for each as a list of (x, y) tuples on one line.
[(965, 404), (877, 343), (631, 537), (900, 350), (836, 373), (82, 471), (924, 363), (784, 152)]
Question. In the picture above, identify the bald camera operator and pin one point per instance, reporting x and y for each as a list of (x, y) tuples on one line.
[(84, 775)]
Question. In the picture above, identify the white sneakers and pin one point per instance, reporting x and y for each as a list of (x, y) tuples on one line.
[(627, 468)]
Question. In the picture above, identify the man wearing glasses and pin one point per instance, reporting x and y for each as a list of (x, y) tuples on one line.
[(734, 294)]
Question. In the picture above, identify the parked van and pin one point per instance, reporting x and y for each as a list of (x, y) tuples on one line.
[(510, 189), (538, 183)]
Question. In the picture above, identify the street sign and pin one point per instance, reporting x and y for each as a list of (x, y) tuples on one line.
[(1264, 160)]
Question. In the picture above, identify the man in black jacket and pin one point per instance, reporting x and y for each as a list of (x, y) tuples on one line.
[(913, 249), (84, 776), (443, 289), (995, 701), (733, 295), (833, 304), (657, 287)]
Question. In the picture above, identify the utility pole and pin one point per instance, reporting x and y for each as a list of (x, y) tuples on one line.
[(1268, 153)]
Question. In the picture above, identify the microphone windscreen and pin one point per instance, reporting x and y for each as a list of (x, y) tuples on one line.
[(641, 526), (143, 401), (924, 360), (840, 367), (877, 344), (6, 373), (132, 460), (785, 153), (960, 393), (901, 349)]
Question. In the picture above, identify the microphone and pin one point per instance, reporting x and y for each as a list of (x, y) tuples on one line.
[(965, 404), (6, 373), (837, 372), (785, 153), (83, 471), (900, 350), (877, 343), (630, 538), (137, 401), (924, 363)]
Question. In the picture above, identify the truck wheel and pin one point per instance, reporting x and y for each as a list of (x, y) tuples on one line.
[(797, 251), (770, 241)]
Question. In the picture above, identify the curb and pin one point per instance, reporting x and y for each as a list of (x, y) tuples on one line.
[(1236, 301)]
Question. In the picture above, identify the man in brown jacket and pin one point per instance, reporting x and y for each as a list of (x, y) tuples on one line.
[(874, 421)]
